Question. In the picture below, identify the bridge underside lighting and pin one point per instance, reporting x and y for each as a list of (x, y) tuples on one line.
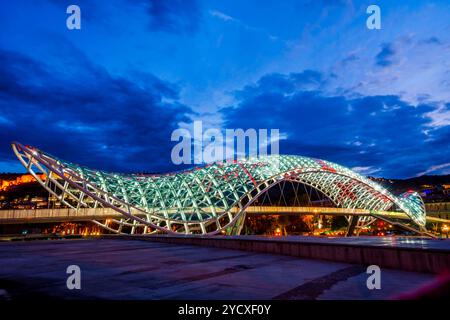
[(207, 200)]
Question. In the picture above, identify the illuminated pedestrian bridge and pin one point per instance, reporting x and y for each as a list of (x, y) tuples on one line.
[(213, 198)]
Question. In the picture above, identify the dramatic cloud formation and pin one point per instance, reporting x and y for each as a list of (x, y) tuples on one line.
[(395, 137), (109, 95), (84, 114)]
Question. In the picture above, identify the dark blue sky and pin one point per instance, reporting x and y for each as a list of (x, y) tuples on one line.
[(109, 95)]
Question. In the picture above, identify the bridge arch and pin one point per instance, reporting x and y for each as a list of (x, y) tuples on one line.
[(208, 199)]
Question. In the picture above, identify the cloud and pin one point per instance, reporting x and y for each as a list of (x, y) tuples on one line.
[(172, 16), (384, 57), (440, 117), (404, 67), (349, 59), (87, 115), (368, 170), (381, 132), (221, 15), (227, 18), (435, 168), (284, 84), (431, 40)]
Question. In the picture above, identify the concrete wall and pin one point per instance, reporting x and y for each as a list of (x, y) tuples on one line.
[(410, 259)]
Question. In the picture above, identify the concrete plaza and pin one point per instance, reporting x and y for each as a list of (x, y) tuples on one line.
[(133, 269)]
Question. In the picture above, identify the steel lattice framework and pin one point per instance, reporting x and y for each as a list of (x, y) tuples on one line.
[(208, 199)]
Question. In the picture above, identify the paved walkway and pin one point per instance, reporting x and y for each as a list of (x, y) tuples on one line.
[(132, 269)]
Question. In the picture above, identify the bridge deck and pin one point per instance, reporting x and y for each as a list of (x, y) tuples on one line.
[(86, 214)]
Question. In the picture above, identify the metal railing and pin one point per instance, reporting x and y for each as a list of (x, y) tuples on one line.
[(46, 214)]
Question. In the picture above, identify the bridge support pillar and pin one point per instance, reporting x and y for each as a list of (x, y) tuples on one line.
[(237, 228), (353, 221)]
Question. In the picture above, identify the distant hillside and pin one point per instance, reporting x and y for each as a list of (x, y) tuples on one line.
[(10, 176), (413, 183), (431, 179)]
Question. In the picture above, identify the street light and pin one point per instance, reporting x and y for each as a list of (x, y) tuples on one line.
[(445, 230)]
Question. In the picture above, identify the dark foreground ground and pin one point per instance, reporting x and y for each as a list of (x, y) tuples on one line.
[(132, 269)]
